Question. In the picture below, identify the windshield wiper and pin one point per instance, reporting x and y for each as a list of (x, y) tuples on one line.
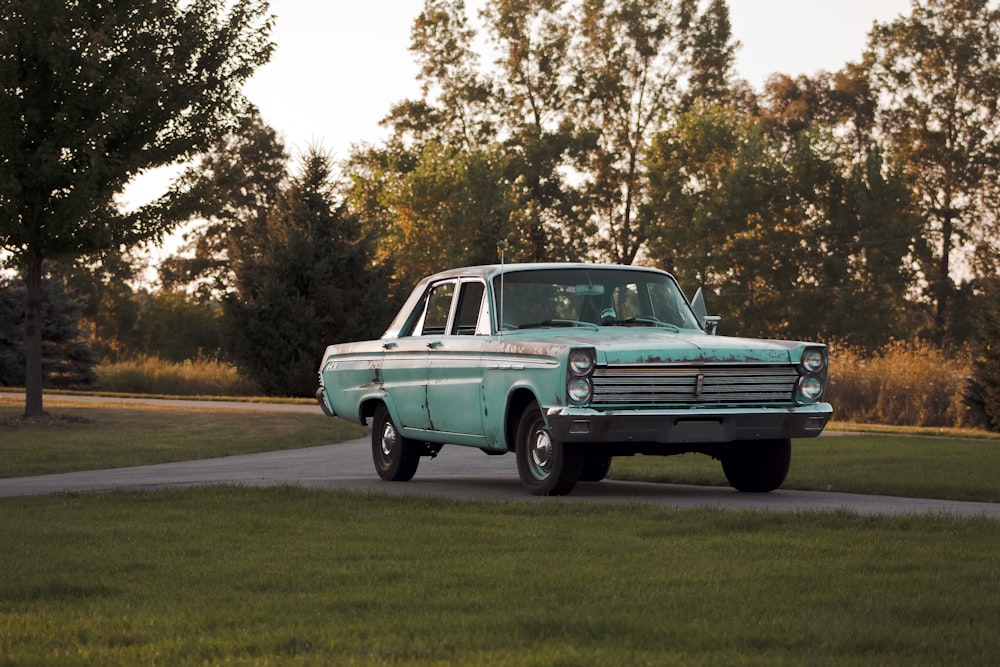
[(642, 322)]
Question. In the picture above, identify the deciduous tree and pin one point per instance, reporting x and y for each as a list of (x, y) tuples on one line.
[(94, 93), (234, 184), (937, 75), (632, 58), (533, 84), (793, 233)]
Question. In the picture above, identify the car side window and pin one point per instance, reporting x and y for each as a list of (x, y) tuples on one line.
[(470, 303), (435, 320)]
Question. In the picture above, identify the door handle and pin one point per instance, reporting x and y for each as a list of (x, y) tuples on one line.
[(434, 344)]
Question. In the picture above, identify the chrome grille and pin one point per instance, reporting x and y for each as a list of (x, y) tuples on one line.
[(647, 385)]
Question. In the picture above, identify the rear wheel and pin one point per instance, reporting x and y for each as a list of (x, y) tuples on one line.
[(396, 458), (546, 467), (757, 465)]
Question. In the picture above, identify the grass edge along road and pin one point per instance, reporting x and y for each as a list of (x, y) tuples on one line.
[(288, 575), (92, 438)]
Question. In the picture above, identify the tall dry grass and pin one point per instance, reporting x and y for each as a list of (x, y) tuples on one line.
[(152, 375), (905, 383)]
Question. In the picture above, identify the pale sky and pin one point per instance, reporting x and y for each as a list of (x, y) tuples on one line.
[(340, 64)]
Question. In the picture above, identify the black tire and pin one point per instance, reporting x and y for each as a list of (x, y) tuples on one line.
[(595, 468), (757, 466), (396, 458), (546, 467)]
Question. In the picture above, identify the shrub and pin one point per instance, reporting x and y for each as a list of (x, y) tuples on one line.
[(904, 383), (152, 375), (983, 392)]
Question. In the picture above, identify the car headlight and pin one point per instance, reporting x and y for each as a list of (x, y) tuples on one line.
[(813, 360), (579, 367), (579, 390), (581, 362), (810, 388)]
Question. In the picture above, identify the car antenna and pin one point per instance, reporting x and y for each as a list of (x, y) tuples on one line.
[(501, 246)]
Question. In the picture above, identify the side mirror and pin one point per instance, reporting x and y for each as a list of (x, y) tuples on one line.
[(708, 322)]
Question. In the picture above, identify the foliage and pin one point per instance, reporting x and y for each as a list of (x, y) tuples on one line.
[(983, 391), (563, 119), (629, 70), (859, 206), (160, 377), (94, 94), (532, 38), (793, 234), (303, 279), (905, 383), (67, 361), (111, 304), (449, 210), (122, 321), (938, 75), (229, 575), (178, 328), (720, 192), (236, 184)]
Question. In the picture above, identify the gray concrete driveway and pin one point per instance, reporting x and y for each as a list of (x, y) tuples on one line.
[(457, 472), (460, 473)]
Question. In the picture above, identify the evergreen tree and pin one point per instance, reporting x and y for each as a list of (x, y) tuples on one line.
[(67, 361), (304, 279), (983, 391)]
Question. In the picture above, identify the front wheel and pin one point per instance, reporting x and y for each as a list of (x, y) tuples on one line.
[(546, 467), (757, 466), (396, 458)]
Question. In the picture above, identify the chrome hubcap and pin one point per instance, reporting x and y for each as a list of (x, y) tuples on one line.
[(541, 453), (388, 439)]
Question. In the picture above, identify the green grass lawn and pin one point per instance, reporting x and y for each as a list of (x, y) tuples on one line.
[(892, 465), (91, 438), (276, 576), (226, 575)]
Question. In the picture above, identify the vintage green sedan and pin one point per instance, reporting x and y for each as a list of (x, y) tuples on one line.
[(567, 366)]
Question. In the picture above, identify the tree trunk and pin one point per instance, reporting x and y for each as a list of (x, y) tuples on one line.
[(33, 339), (944, 291)]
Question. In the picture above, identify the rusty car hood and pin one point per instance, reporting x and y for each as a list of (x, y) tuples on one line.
[(649, 345)]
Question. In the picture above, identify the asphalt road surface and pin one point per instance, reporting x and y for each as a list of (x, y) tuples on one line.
[(457, 472)]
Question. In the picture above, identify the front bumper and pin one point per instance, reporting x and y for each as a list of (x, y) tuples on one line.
[(693, 425)]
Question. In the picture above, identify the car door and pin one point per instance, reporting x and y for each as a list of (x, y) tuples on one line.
[(455, 373), (405, 364)]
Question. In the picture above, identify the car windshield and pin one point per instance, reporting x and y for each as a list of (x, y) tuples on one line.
[(589, 296)]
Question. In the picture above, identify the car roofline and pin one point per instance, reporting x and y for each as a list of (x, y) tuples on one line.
[(487, 271)]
